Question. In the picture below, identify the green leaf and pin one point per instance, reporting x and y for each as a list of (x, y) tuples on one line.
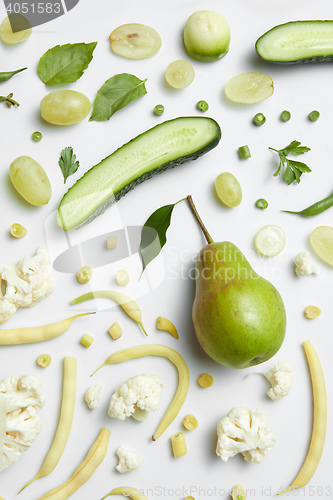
[(65, 63), (116, 93), (292, 145), (294, 169), (153, 234), (68, 163), (6, 75), (282, 160), (295, 148), (299, 165)]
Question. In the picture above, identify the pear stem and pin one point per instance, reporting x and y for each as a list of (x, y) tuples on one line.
[(197, 216)]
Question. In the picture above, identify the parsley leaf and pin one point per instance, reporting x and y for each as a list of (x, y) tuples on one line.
[(68, 163), (294, 169)]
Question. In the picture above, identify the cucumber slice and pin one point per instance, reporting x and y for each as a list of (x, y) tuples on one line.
[(297, 41), (162, 147)]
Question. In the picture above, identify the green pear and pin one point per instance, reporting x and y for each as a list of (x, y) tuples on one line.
[(239, 317)]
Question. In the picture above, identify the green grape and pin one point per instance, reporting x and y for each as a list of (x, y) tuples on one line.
[(207, 35), (179, 74), (135, 41), (321, 240), (228, 189), (269, 241), (30, 180), (64, 107), (21, 26), (249, 88)]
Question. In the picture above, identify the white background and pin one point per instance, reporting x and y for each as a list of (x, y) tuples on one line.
[(167, 289)]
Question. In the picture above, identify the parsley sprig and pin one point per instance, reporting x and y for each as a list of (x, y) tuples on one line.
[(294, 169), (67, 162)]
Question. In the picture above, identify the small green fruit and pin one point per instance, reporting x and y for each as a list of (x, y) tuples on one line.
[(207, 35)]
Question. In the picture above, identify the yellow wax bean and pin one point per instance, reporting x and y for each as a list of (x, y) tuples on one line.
[(65, 420), (166, 325), (87, 340), (128, 492), (129, 306), (85, 470), (319, 421), (183, 376), (205, 380), (44, 360), (238, 492), (312, 312), (190, 422), (115, 331), (178, 445), (31, 334)]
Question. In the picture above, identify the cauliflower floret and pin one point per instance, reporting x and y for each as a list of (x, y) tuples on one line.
[(128, 460), (91, 396), (142, 392), (25, 283), (244, 431), (281, 379), (304, 265), (20, 398)]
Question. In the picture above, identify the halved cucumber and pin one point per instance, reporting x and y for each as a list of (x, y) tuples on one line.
[(162, 147), (297, 41)]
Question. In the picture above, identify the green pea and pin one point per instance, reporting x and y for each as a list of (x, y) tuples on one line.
[(159, 109), (259, 119), (37, 136), (202, 105), (244, 152), (261, 203), (285, 116), (314, 115)]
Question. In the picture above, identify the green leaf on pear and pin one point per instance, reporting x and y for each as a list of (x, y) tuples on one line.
[(153, 234)]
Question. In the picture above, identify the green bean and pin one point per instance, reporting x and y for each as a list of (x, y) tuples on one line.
[(6, 75), (36, 136), (261, 203), (244, 152), (202, 106), (159, 109), (316, 208), (259, 119), (285, 116), (314, 115)]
